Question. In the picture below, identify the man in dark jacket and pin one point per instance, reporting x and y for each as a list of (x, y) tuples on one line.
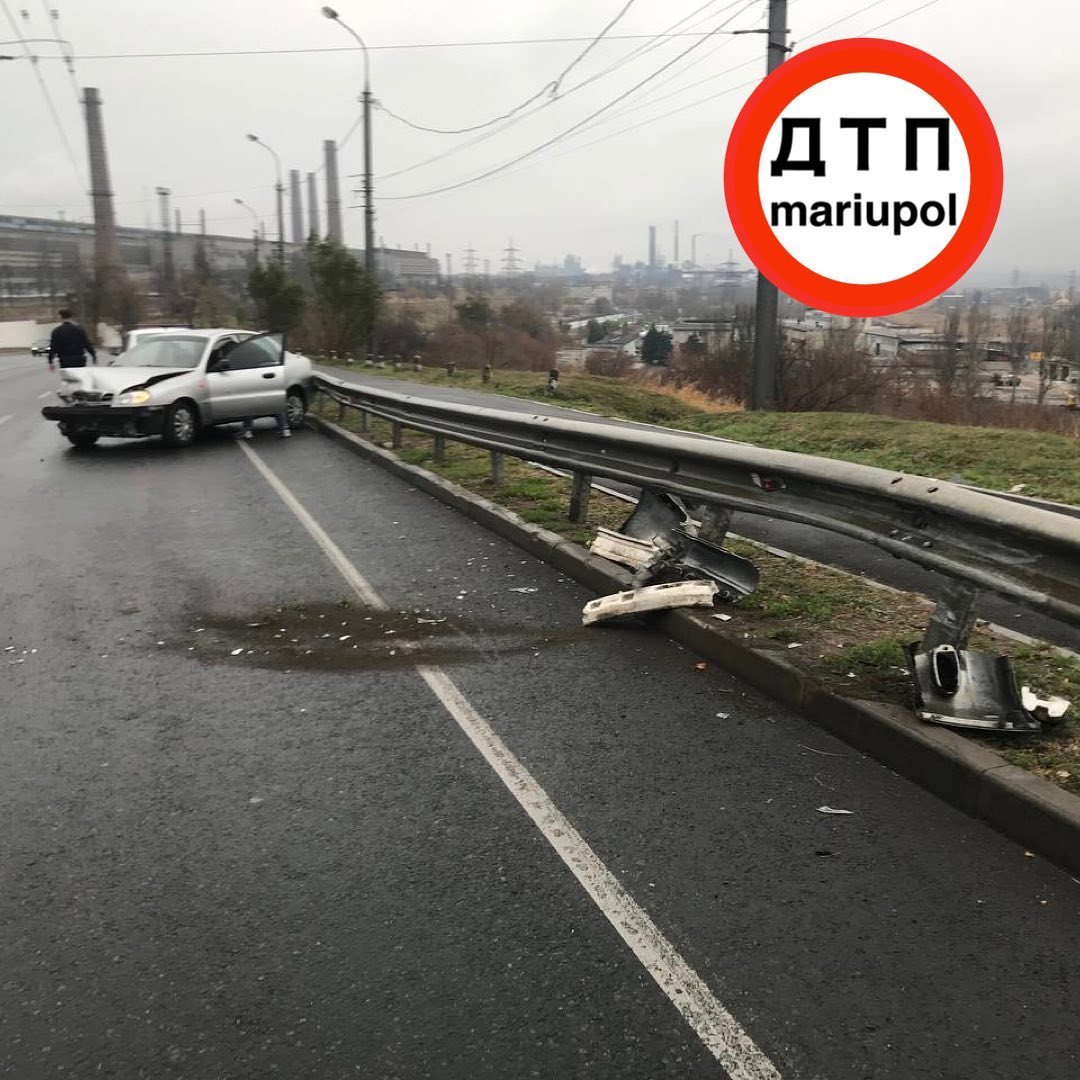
[(69, 343)]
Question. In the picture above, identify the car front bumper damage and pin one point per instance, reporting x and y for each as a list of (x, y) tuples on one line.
[(133, 422)]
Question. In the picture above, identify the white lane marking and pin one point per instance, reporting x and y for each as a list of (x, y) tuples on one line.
[(721, 1033), (48, 393), (5, 419)]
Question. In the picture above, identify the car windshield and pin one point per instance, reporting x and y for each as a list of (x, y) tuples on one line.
[(165, 351)]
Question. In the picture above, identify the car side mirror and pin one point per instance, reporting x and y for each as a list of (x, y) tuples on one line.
[(222, 364)]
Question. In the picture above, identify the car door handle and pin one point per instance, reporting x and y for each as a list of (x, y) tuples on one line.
[(269, 374)]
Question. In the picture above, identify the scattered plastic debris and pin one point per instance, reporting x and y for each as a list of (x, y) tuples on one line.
[(795, 645), (701, 666), (723, 616), (723, 716), (833, 810), (674, 594), (526, 589), (236, 652), (255, 800)]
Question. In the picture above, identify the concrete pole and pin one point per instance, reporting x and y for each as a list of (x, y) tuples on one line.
[(767, 309)]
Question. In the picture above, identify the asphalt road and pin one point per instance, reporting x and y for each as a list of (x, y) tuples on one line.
[(258, 824), (825, 547)]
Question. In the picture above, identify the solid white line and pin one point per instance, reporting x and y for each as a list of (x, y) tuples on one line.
[(721, 1033), (48, 393), (5, 419)]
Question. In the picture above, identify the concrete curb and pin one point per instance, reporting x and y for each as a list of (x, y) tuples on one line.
[(1024, 807)]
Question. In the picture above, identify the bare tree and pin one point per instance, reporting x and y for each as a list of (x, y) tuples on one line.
[(946, 359), (1051, 338), (977, 323), (1018, 331)]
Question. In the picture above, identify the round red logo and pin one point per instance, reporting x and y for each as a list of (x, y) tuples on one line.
[(863, 177)]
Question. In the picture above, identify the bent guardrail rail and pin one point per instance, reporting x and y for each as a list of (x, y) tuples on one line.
[(1028, 554)]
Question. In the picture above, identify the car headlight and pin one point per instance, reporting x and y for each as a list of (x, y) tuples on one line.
[(134, 397)]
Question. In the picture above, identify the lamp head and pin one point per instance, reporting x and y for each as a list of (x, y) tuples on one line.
[(253, 138), (329, 12)]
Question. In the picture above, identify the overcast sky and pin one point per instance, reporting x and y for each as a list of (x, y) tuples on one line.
[(180, 122)]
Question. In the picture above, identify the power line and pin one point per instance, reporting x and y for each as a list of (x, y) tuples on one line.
[(580, 124), (653, 42), (913, 11), (550, 88), (703, 100), (68, 51), (372, 48), (44, 89)]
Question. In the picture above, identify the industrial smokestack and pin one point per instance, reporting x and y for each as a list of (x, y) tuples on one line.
[(202, 222), (313, 206), (163, 194), (296, 207), (676, 241), (106, 250), (333, 193), (652, 247)]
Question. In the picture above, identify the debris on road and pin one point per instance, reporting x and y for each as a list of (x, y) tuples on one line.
[(526, 589), (1049, 710), (833, 810), (674, 594)]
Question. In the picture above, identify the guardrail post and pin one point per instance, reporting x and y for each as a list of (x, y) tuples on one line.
[(395, 435), (439, 452), (953, 617), (340, 411), (714, 523), (579, 498), (498, 467), (365, 421), (485, 374)]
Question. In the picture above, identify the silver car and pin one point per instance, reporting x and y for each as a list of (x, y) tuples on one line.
[(176, 382)]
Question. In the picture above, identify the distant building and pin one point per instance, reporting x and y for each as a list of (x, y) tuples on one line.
[(712, 333)]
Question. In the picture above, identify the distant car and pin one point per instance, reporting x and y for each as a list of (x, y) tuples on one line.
[(173, 383), (40, 347), (1006, 380)]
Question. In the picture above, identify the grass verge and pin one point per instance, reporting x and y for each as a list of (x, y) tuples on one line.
[(845, 631), (1047, 465)]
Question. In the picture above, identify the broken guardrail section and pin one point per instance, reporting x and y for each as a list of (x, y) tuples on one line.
[(663, 543)]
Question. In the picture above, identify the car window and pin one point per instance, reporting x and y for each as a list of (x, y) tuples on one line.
[(223, 347), (257, 352), (166, 351)]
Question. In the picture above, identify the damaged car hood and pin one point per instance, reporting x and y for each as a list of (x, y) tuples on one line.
[(115, 380)]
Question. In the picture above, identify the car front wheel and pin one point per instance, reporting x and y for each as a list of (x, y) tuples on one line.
[(181, 424), (82, 440)]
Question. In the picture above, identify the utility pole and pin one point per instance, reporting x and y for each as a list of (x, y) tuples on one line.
[(767, 309), (163, 194)]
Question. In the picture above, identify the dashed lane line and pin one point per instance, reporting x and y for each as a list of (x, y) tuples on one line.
[(720, 1032)]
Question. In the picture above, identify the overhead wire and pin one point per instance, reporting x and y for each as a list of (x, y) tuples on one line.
[(654, 42), (710, 97), (52, 15), (44, 90), (575, 127)]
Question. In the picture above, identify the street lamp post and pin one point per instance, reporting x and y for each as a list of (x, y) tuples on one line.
[(280, 188), (258, 225), (369, 185)]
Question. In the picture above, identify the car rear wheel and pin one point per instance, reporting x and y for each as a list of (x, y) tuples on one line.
[(82, 440), (295, 408), (181, 424)]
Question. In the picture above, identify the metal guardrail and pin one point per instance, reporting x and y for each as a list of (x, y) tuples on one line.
[(1022, 552)]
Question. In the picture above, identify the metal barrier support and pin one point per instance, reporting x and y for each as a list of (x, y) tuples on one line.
[(498, 467), (953, 617), (395, 435), (439, 451), (579, 498)]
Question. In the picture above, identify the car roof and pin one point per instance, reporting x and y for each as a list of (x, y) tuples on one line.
[(190, 330)]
